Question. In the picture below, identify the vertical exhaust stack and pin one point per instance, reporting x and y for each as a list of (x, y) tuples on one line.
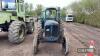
[(59, 12)]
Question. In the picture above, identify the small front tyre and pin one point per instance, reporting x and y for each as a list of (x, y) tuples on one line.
[(65, 46), (35, 46)]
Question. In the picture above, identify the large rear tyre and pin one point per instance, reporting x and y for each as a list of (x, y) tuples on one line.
[(16, 32)]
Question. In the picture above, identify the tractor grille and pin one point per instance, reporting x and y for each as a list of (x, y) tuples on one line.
[(69, 18), (51, 30)]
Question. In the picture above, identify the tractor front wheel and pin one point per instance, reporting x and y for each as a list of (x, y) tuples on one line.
[(16, 32), (35, 45), (65, 46)]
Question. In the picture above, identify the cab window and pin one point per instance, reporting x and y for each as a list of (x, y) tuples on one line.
[(8, 4)]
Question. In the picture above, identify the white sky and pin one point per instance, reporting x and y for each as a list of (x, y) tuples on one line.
[(51, 3)]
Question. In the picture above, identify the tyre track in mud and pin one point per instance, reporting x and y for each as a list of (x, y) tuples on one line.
[(85, 33)]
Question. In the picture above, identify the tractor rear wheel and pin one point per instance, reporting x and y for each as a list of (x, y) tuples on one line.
[(16, 32)]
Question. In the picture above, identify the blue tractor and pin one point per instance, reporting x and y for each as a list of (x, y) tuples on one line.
[(51, 30)]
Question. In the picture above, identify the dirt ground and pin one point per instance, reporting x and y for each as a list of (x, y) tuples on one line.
[(78, 35), (85, 33)]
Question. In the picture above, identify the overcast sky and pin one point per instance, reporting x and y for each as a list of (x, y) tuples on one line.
[(51, 3)]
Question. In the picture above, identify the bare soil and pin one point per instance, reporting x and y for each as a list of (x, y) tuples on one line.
[(78, 35)]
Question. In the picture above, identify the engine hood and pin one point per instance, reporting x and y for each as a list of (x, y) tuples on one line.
[(50, 22)]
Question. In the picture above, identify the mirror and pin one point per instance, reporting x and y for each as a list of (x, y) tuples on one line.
[(8, 4)]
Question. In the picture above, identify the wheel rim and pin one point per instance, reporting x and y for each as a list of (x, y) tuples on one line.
[(21, 32)]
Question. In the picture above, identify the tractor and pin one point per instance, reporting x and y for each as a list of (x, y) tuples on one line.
[(15, 20), (51, 30)]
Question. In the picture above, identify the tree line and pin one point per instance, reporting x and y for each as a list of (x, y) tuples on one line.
[(87, 12), (37, 11)]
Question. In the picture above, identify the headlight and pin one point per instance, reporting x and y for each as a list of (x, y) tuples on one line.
[(47, 29), (0, 29)]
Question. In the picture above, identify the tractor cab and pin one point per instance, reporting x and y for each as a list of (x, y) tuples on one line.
[(50, 14), (14, 7), (50, 24), (9, 10)]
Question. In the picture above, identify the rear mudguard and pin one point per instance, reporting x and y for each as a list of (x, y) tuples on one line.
[(4, 27), (6, 17), (5, 20)]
